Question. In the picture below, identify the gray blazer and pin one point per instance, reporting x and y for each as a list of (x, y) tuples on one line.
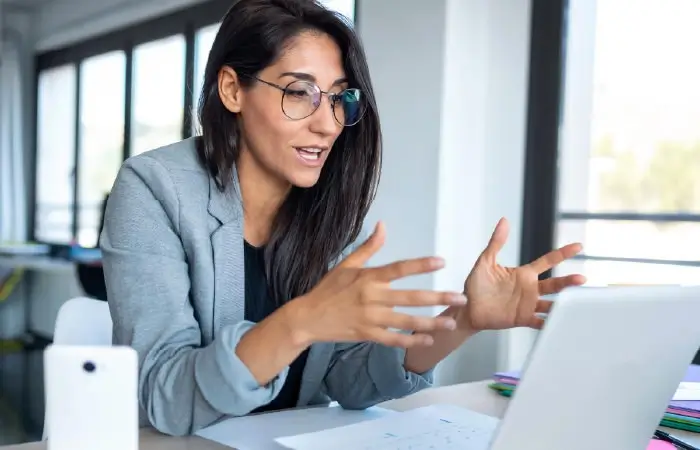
[(173, 260)]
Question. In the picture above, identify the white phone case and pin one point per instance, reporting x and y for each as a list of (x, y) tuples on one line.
[(91, 398)]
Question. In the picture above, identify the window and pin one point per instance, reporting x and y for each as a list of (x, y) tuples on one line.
[(112, 97), (607, 101), (204, 39), (344, 7), (56, 109), (101, 149), (158, 95), (629, 180), (102, 101)]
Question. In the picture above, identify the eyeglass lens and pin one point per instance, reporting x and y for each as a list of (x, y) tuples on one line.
[(301, 99)]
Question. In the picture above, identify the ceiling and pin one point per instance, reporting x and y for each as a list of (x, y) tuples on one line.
[(23, 4)]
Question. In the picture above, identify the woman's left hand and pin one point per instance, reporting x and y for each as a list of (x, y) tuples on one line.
[(504, 297)]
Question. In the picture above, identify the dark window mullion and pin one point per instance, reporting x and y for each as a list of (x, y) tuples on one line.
[(76, 154), (33, 192), (189, 81), (128, 98), (547, 38)]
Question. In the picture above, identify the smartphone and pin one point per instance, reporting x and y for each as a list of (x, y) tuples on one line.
[(91, 397)]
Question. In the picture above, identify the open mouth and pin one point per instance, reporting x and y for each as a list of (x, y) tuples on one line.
[(310, 154)]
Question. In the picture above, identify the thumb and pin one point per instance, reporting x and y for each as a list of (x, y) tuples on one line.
[(497, 241), (366, 250)]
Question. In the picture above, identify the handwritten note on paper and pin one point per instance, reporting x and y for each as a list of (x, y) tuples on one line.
[(687, 391), (445, 427)]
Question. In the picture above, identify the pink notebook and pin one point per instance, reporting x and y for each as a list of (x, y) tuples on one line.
[(657, 444)]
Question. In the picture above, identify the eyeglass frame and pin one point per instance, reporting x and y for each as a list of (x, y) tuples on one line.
[(331, 98)]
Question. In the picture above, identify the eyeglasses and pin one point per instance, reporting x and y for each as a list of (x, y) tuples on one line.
[(302, 98)]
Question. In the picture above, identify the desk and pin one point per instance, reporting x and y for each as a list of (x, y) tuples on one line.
[(46, 285), (27, 320), (478, 397), (475, 396), (43, 263)]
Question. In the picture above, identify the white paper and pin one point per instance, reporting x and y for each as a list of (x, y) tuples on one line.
[(443, 427), (687, 391), (258, 431)]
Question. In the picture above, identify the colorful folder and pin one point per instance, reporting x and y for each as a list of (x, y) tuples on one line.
[(682, 415)]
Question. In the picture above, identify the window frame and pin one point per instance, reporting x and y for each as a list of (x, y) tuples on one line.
[(184, 22)]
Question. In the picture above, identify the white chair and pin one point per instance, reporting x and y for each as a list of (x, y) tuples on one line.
[(82, 321)]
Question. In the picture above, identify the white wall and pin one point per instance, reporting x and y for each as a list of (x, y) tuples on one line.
[(16, 55), (451, 81), (16, 124), (17, 52)]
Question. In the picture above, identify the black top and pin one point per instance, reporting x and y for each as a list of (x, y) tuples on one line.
[(258, 305)]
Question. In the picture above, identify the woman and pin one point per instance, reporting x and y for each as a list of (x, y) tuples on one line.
[(232, 260)]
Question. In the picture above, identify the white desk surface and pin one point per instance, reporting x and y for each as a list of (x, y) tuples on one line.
[(475, 396), (40, 263)]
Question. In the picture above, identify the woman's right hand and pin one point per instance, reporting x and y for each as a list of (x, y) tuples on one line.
[(353, 303)]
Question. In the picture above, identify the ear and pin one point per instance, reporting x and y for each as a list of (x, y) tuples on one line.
[(230, 91)]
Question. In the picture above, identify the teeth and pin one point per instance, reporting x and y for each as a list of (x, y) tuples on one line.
[(310, 154)]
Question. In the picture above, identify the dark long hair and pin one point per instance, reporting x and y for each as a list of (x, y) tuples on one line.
[(313, 225)]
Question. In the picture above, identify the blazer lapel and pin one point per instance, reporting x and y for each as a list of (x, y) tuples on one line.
[(227, 248), (315, 371)]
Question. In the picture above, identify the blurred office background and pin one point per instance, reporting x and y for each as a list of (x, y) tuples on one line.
[(578, 120)]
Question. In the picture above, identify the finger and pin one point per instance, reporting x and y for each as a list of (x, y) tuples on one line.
[(410, 322), (397, 339), (498, 240), (558, 284), (422, 298), (536, 323), (543, 306), (402, 269), (551, 259), (366, 250)]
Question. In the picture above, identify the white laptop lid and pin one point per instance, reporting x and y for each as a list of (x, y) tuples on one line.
[(603, 369)]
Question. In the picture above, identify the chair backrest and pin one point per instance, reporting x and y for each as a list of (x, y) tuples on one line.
[(82, 321)]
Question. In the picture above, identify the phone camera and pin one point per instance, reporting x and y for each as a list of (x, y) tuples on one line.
[(89, 367)]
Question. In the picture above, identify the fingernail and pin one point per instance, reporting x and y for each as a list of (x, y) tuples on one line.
[(459, 299), (428, 340), (450, 324), (437, 262)]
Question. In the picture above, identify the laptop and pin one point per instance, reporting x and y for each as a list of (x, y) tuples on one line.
[(603, 369), (600, 376)]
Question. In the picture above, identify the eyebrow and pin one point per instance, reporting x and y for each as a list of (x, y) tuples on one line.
[(309, 77)]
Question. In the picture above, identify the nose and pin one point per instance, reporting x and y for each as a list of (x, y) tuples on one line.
[(322, 121)]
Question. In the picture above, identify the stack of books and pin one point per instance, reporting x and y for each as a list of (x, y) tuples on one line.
[(682, 415)]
